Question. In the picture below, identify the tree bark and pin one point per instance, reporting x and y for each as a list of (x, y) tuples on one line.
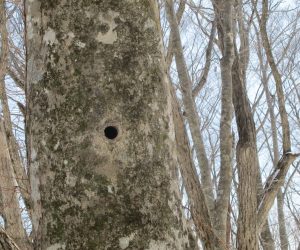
[(101, 133), (199, 210), (10, 203), (18, 167), (267, 239), (280, 200), (6, 242), (224, 19), (190, 109), (247, 163), (284, 243), (277, 77), (276, 179), (170, 52), (9, 158), (247, 134)]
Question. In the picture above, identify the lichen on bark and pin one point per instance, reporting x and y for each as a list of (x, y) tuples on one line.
[(102, 66)]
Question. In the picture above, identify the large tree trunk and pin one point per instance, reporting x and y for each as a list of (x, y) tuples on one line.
[(102, 145), (247, 163), (245, 121)]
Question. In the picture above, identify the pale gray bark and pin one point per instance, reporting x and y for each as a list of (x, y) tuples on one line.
[(284, 243), (94, 65), (190, 108), (170, 52), (224, 19)]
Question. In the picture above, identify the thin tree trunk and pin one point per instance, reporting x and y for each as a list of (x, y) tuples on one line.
[(205, 71), (103, 152), (6, 242), (280, 201), (10, 209), (10, 203), (18, 168), (170, 52), (190, 109), (192, 184), (267, 239), (277, 77), (223, 12), (284, 243), (277, 177)]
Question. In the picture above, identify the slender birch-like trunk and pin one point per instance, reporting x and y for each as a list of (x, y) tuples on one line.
[(224, 19), (190, 108)]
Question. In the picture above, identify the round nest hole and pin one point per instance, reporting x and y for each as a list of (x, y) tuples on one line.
[(111, 132)]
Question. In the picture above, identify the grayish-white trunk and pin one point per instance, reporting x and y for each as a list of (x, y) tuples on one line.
[(284, 243), (101, 133), (224, 19)]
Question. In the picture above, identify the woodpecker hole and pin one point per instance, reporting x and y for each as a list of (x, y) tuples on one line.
[(111, 132)]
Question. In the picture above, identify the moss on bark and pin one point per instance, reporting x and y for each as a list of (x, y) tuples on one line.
[(103, 66)]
